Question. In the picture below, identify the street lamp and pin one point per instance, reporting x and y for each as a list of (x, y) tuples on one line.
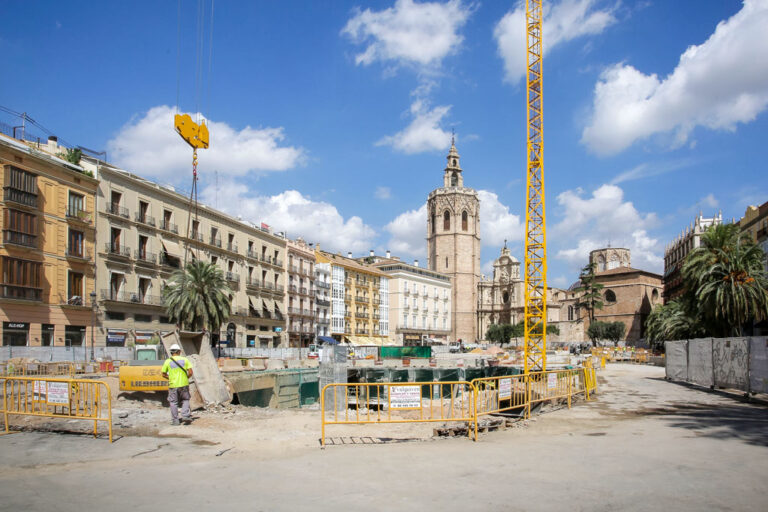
[(93, 320)]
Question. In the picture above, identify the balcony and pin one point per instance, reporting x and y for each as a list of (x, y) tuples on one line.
[(278, 288), (116, 209), (75, 213), (169, 262), (148, 258), (132, 297), (323, 321), (294, 269), (144, 219), (362, 331), (232, 277), (250, 254), (21, 197), (19, 238), (21, 292), (168, 226), (360, 298), (232, 247), (347, 297), (322, 284), (321, 302), (117, 250), (197, 237), (406, 291), (79, 253), (416, 291), (252, 282), (215, 241)]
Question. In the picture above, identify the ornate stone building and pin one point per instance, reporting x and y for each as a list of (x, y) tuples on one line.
[(453, 244), (675, 253)]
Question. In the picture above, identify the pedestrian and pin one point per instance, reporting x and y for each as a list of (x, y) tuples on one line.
[(178, 370)]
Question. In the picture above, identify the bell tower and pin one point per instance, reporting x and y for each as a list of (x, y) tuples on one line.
[(453, 244)]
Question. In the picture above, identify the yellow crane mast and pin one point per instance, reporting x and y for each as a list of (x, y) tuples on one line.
[(535, 218)]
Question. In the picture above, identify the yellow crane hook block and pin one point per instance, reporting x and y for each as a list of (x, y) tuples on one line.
[(195, 135)]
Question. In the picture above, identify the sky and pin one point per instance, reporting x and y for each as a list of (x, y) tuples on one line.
[(331, 120)]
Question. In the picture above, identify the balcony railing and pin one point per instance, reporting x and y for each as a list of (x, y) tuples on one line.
[(322, 284), (232, 277), (250, 281), (376, 301), (214, 241), (231, 247), (145, 257), (166, 261), (347, 297), (250, 254), (78, 252), (321, 302), (294, 269), (116, 209), (196, 236), (73, 212), (323, 321), (132, 297), (145, 219), (169, 226), (117, 250), (360, 298), (21, 197), (279, 288), (19, 238), (21, 292)]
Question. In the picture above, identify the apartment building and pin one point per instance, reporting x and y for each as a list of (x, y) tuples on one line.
[(419, 302), (300, 293), (322, 299), (359, 301), (676, 251), (47, 247), (146, 231)]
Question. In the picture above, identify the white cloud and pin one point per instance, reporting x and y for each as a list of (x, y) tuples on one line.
[(647, 170), (593, 222), (409, 230), (709, 201), (563, 22), (296, 215), (717, 85), (424, 132), (383, 193), (408, 233), (409, 33), (149, 146)]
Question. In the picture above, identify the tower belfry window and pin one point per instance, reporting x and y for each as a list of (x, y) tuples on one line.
[(464, 220), (454, 180), (446, 220)]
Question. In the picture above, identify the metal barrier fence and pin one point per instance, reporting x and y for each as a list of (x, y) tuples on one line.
[(79, 399), (11, 369), (614, 355), (418, 402), (403, 402)]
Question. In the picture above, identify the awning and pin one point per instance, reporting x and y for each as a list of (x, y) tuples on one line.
[(268, 305), (172, 248), (327, 340)]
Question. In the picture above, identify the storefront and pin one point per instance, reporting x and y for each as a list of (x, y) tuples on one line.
[(16, 334), (74, 335), (116, 337)]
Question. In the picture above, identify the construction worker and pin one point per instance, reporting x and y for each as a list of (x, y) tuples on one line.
[(178, 370)]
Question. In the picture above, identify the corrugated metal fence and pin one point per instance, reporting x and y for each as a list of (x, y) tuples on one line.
[(736, 363)]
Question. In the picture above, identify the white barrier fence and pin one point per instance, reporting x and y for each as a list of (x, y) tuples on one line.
[(736, 363), (57, 354)]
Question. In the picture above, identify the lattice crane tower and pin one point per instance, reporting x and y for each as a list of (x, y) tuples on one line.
[(535, 218)]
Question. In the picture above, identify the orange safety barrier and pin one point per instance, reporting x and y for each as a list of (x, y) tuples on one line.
[(52, 397), (402, 402), (12, 369)]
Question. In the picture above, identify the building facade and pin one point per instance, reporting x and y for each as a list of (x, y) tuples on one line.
[(755, 224), (359, 301), (146, 231), (453, 244), (675, 253), (323, 299), (419, 302), (300, 293), (47, 252)]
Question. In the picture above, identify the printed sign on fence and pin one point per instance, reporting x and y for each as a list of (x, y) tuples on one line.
[(405, 397), (38, 391), (58, 393), (552, 381), (505, 388)]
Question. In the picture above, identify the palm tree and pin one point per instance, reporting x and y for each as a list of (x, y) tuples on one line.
[(673, 321), (198, 296), (729, 280)]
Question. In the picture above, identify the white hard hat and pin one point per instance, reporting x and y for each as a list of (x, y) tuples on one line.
[(175, 347)]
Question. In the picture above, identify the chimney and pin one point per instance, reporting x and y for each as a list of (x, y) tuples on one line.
[(53, 143), (389, 255), (415, 263), (371, 253), (349, 255)]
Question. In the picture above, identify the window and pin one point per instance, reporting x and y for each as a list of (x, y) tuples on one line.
[(446, 262), (76, 205), (432, 221), (20, 186), (47, 335), (143, 211), (167, 217), (142, 318), (446, 220), (115, 240), (75, 247), (464, 220), (114, 315), (570, 312), (143, 247), (20, 228), (22, 279), (610, 296), (145, 284), (196, 229), (75, 288)]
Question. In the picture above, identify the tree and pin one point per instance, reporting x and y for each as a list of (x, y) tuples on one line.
[(673, 321), (614, 331), (198, 296), (591, 298), (73, 155), (596, 331), (729, 280)]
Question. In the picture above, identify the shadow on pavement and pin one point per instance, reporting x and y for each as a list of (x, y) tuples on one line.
[(743, 421)]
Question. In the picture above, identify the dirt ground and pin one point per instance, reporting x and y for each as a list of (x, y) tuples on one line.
[(643, 444)]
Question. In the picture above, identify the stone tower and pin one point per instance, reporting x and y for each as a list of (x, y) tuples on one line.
[(453, 244)]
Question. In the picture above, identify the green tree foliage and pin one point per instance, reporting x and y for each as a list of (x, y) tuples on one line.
[(198, 296), (73, 156), (591, 298), (596, 331), (613, 331), (502, 333)]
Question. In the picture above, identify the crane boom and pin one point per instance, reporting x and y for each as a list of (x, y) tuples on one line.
[(535, 218)]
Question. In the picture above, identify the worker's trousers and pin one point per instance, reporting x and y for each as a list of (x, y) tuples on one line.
[(176, 394)]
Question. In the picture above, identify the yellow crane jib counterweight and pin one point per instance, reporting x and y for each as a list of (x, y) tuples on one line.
[(195, 134)]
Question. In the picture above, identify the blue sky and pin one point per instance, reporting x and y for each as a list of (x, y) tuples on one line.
[(331, 120)]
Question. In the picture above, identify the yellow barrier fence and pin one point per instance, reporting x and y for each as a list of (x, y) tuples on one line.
[(11, 369), (401, 402), (50, 397), (461, 401)]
